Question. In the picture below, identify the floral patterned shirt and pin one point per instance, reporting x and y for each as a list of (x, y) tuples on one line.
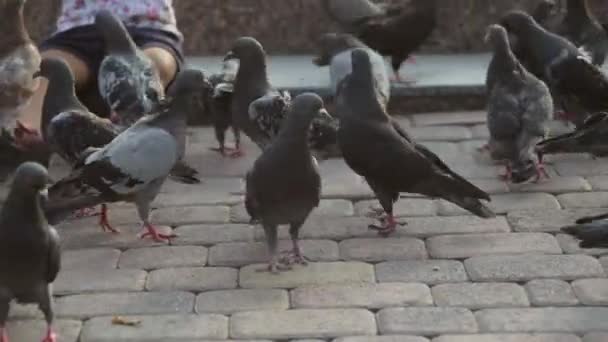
[(157, 14)]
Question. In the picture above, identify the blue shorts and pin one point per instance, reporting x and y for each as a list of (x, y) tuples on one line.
[(86, 43)]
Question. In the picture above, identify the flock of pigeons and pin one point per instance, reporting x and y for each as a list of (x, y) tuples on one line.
[(128, 157)]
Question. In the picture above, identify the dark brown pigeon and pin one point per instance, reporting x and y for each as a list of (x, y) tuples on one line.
[(284, 184), (376, 148), (29, 248)]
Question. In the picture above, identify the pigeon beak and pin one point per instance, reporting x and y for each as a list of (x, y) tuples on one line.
[(230, 55), (324, 114)]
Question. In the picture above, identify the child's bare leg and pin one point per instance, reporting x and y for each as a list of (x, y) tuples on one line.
[(165, 63)]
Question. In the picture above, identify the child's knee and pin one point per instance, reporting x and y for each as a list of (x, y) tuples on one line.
[(79, 68), (164, 62)]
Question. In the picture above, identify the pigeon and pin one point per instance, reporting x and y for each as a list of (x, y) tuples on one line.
[(284, 185), (592, 231), (19, 60), (347, 13), (30, 249), (542, 13), (375, 147), (258, 109), (400, 32), (578, 84), (127, 79), (218, 100), (135, 164), (591, 137), (519, 107), (335, 50), (581, 28)]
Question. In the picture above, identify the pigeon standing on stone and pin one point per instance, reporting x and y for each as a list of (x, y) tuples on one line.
[(29, 248), (580, 87), (218, 100), (581, 28), (134, 165), (592, 231), (519, 107), (284, 184), (376, 148), (399, 34), (128, 81), (590, 137), (335, 50), (19, 60)]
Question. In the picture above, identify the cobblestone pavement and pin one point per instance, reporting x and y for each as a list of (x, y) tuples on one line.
[(444, 277)]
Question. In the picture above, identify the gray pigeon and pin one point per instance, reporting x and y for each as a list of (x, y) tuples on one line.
[(348, 13), (133, 166), (335, 50), (218, 101), (19, 59), (30, 254), (519, 107), (579, 85), (376, 148), (284, 185), (592, 231), (128, 81), (590, 137)]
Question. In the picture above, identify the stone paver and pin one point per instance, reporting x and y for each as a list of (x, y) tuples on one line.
[(372, 296), (480, 295), (317, 273), (528, 267), (591, 291), (211, 234), (404, 207), (570, 245), (426, 321), (574, 320), (231, 301), (584, 200), (86, 259), (102, 280), (509, 338), (192, 279), (547, 220), (554, 185), (428, 271), (596, 337), (164, 256), (28, 330), (302, 323), (469, 245), (550, 292), (375, 250), (157, 328), (394, 338), (429, 226), (177, 216), (246, 253)]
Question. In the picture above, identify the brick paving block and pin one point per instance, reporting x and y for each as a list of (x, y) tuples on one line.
[(102, 280), (591, 291), (604, 262), (531, 266), (318, 273), (508, 338), (568, 320), (163, 256), (91, 236), (581, 167), (371, 296), (333, 228), (212, 185), (442, 133), (480, 131), (598, 183), (546, 220), (445, 208), (505, 203), (134, 303), (424, 271), (93, 258), (345, 186), (212, 234), (596, 337), (231, 301), (584, 200), (177, 216), (403, 207), (429, 226), (329, 207), (480, 295), (303, 323), (447, 151), (570, 245), (426, 321), (449, 118), (24, 311), (157, 328), (471, 170), (378, 249), (491, 186), (554, 185), (550, 292), (246, 253), (395, 338), (194, 197), (30, 330), (468, 245), (192, 279)]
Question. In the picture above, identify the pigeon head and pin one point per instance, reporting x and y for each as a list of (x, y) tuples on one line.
[(31, 177), (187, 82), (331, 44), (496, 34), (244, 49), (517, 22), (309, 106)]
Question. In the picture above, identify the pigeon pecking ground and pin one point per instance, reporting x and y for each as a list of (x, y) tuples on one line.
[(444, 273)]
